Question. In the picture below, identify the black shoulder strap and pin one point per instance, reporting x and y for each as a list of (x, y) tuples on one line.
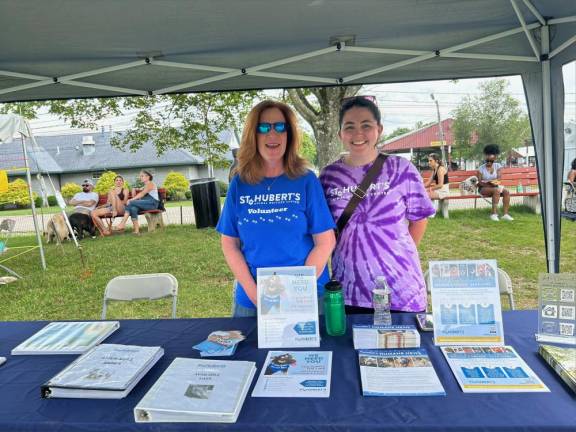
[(360, 192)]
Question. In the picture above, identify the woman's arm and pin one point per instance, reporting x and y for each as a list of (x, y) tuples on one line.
[(147, 188), (237, 263), (428, 182), (417, 229), (126, 192), (572, 176), (324, 244)]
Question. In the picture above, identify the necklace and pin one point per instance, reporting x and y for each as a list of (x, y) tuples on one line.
[(272, 182)]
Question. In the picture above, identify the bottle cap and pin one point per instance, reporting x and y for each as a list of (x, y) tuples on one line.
[(333, 285)]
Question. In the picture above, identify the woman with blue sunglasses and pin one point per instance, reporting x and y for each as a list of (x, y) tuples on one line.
[(275, 213)]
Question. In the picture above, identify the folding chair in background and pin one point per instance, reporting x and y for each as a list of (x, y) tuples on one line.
[(152, 286)]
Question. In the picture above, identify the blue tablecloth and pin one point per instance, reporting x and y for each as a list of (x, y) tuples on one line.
[(22, 409)]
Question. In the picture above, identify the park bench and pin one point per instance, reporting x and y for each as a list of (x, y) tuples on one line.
[(520, 182), (153, 217)]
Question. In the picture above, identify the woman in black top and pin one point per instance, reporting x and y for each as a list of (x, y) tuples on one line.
[(437, 184), (115, 204)]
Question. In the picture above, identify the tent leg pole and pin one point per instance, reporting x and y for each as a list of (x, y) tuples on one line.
[(550, 223), (32, 205)]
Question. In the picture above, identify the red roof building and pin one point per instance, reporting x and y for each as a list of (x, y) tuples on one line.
[(426, 138)]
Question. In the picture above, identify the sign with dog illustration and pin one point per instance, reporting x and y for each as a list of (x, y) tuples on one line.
[(295, 374), (287, 307)]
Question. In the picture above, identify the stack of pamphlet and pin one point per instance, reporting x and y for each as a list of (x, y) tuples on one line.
[(398, 373), (105, 372), (67, 338), (563, 361), (385, 336), (295, 374), (195, 390), (220, 343)]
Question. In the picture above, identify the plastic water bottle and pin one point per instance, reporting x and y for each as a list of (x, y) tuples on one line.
[(334, 314), (381, 302)]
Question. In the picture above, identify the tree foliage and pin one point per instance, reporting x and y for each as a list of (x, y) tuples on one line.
[(106, 182), (308, 150), (492, 117), (397, 132), (175, 182), (70, 189), (17, 193), (320, 107), (181, 121)]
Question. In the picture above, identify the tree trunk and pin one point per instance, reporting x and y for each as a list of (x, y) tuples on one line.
[(322, 115)]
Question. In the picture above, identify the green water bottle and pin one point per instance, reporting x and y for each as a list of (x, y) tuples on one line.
[(334, 309)]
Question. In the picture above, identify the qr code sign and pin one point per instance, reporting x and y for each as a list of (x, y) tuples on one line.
[(567, 312), (567, 329), (567, 295)]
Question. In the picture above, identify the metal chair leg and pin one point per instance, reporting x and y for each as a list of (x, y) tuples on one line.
[(12, 272)]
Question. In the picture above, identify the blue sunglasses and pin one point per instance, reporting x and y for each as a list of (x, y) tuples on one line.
[(279, 127)]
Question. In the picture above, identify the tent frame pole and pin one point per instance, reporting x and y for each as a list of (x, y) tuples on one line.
[(32, 204), (549, 226), (526, 31)]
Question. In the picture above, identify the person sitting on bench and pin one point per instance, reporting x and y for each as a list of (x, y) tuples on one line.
[(115, 205), (437, 185), (489, 178), (146, 199)]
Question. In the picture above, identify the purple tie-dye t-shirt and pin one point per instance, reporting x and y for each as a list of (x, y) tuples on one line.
[(376, 240)]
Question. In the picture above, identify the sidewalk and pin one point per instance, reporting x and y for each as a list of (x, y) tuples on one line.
[(172, 216)]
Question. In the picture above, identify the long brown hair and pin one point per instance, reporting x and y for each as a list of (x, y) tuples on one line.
[(250, 163)]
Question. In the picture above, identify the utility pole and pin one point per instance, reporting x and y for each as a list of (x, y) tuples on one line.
[(441, 131)]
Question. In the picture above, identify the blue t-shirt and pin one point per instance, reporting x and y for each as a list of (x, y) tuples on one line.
[(275, 220)]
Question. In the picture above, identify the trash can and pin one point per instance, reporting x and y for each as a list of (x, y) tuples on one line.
[(206, 201)]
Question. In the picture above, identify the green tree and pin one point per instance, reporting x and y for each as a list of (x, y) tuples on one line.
[(320, 107), (105, 182), (186, 121), (308, 150), (492, 117), (17, 193), (175, 182), (397, 132), (70, 189)]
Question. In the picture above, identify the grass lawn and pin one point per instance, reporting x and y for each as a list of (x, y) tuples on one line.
[(67, 290)]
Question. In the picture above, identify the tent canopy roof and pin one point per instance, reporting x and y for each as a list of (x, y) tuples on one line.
[(43, 42)]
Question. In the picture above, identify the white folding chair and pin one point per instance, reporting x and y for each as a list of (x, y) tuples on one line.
[(152, 286), (504, 282), (6, 230)]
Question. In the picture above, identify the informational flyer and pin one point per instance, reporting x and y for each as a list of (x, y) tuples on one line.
[(398, 373), (466, 303), (287, 307), (495, 369), (295, 374), (557, 306)]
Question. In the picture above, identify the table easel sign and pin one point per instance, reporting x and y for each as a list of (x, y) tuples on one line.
[(287, 307), (557, 308), (466, 303)]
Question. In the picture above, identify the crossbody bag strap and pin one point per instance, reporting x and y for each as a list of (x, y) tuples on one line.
[(360, 192)]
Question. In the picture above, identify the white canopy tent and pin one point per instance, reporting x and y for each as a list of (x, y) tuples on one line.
[(12, 125), (69, 49)]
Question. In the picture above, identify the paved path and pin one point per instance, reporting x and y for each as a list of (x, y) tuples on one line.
[(172, 216)]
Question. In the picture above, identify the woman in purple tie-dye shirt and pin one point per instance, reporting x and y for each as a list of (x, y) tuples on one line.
[(380, 238)]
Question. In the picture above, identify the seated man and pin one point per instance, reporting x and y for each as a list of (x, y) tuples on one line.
[(84, 202)]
